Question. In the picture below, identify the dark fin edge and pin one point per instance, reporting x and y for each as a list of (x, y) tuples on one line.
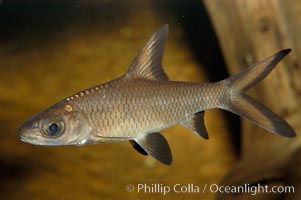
[(138, 148)]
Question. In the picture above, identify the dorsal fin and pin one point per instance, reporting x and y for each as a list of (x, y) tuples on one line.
[(197, 125), (148, 62)]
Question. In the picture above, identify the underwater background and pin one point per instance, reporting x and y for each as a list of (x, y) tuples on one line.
[(50, 49)]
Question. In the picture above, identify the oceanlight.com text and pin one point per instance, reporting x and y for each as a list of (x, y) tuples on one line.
[(192, 188)]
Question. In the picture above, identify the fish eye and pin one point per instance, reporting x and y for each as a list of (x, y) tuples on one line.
[(53, 127)]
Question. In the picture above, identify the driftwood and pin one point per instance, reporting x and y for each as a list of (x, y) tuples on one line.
[(249, 31)]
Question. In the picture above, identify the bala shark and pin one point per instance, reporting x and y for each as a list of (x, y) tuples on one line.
[(142, 102)]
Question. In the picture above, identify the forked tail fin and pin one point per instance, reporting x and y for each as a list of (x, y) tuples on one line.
[(248, 107)]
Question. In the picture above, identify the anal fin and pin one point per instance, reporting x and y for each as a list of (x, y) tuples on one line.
[(197, 125), (155, 145)]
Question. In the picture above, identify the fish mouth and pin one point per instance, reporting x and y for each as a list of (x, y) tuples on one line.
[(25, 139), (21, 134), (26, 132), (29, 140)]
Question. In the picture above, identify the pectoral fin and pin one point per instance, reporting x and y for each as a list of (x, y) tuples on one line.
[(196, 124), (138, 147), (155, 145)]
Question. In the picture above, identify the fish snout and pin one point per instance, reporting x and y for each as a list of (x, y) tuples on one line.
[(27, 129)]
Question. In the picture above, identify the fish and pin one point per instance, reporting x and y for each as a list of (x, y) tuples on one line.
[(138, 105)]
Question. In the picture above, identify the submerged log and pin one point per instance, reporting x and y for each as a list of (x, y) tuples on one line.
[(249, 31)]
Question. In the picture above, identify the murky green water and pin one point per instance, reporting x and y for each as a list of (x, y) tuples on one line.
[(50, 50)]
